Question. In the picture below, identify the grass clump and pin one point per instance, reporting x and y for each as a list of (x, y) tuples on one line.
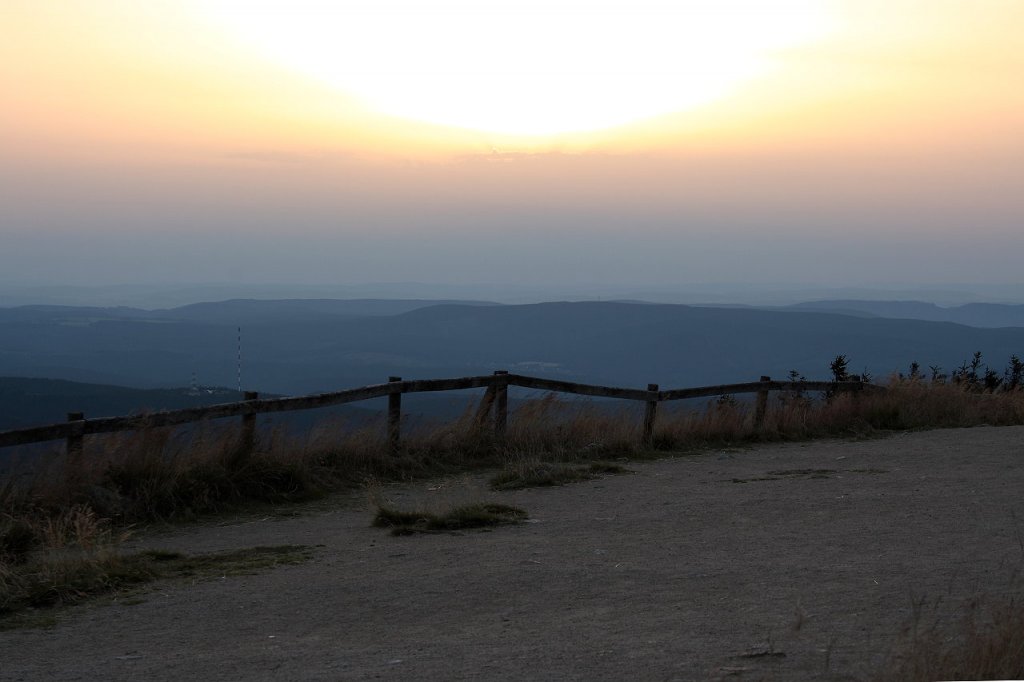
[(54, 559), (64, 577), (480, 515), (987, 644), (58, 578), (536, 474), (232, 563)]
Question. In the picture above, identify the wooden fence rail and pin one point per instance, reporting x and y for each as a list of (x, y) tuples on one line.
[(495, 399)]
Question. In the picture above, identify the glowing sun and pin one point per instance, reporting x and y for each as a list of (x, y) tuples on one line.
[(525, 66)]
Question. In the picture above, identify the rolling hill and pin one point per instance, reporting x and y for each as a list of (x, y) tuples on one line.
[(293, 348)]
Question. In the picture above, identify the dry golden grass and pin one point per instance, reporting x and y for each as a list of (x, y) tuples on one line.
[(986, 644), (61, 557), (157, 474), (62, 517)]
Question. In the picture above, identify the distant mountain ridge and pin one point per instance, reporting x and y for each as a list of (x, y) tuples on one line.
[(970, 314), (241, 311), (234, 311), (298, 347)]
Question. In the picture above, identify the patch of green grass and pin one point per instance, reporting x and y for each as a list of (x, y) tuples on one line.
[(468, 516), (63, 578), (240, 562), (607, 468), (537, 474)]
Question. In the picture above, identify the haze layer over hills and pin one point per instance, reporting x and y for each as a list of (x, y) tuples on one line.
[(301, 346), (971, 314)]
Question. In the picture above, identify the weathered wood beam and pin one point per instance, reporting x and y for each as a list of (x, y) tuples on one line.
[(578, 389), (77, 428)]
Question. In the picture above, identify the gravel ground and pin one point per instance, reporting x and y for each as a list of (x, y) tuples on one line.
[(797, 561)]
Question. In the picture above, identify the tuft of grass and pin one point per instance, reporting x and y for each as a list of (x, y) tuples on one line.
[(66, 577), (536, 474), (479, 515), (987, 644), (238, 562), (59, 579)]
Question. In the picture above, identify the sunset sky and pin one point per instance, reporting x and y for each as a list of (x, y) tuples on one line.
[(556, 143)]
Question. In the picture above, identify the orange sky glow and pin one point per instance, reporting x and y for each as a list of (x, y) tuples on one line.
[(799, 118)]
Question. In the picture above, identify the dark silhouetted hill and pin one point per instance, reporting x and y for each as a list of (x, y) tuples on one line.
[(31, 402), (296, 349)]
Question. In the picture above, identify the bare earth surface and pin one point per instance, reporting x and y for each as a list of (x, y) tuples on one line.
[(681, 570)]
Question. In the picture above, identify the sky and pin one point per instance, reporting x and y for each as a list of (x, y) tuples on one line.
[(545, 144)]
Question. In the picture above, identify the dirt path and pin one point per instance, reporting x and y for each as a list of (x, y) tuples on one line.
[(674, 572)]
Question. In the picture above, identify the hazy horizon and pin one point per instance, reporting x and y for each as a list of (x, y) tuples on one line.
[(159, 296), (823, 145)]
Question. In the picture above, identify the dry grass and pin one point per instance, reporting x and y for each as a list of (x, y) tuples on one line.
[(59, 558), (157, 475), (986, 644), (535, 473), (479, 515), (69, 575), (63, 518)]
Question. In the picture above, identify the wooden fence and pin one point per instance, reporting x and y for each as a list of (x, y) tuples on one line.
[(495, 400)]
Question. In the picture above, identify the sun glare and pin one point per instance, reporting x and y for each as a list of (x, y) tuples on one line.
[(524, 67)]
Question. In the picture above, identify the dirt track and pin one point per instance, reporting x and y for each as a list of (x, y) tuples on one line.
[(674, 572)]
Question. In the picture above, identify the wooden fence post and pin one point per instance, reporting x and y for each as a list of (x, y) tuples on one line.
[(500, 403), (395, 415), (76, 439), (486, 403), (762, 404), (249, 425), (650, 414)]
